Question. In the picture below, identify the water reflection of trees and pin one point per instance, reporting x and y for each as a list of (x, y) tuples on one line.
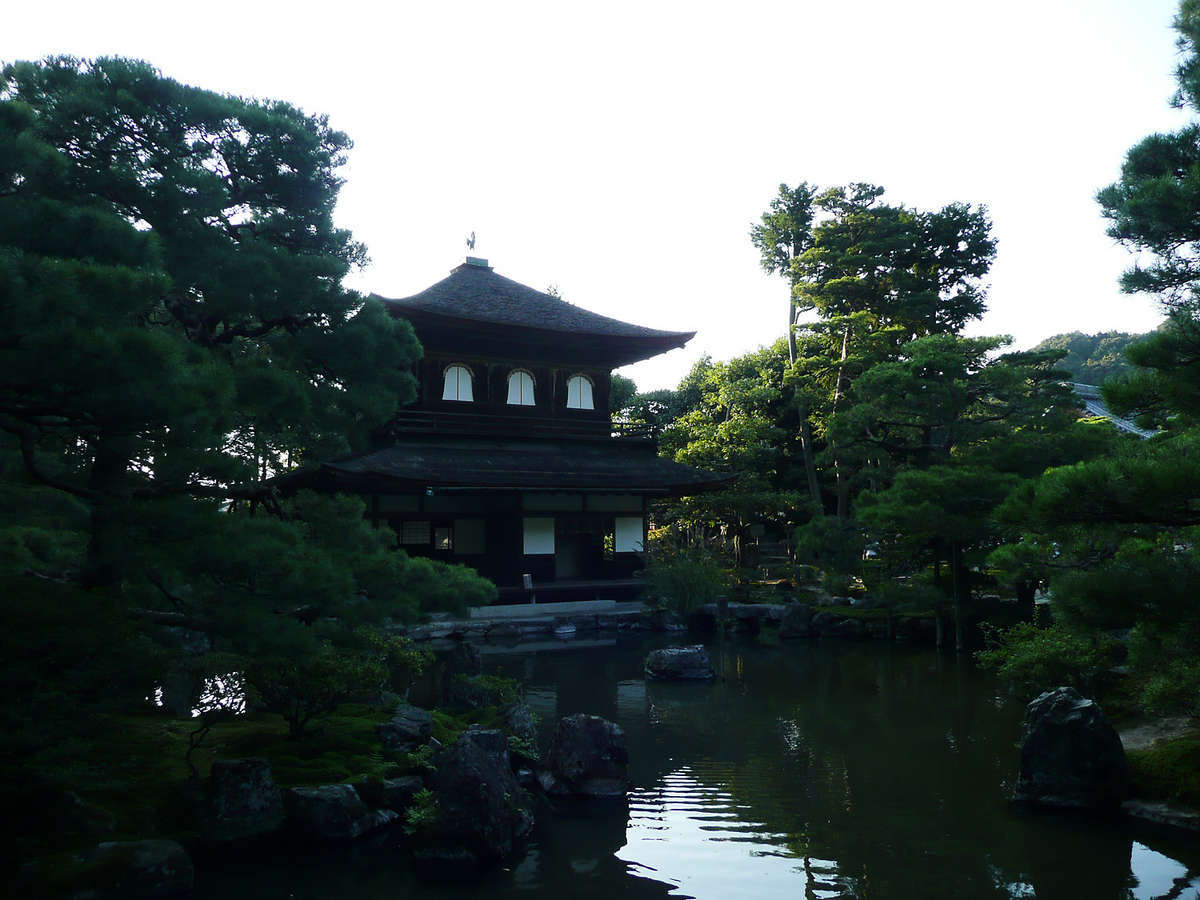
[(896, 763)]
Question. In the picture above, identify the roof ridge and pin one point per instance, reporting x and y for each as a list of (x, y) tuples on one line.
[(480, 293)]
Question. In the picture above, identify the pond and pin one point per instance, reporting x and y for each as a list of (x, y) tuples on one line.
[(818, 770)]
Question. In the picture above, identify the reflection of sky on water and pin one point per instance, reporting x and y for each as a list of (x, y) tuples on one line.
[(703, 841), (1159, 876), (707, 845)]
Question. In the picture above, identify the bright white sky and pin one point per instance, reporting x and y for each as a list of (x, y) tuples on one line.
[(621, 151)]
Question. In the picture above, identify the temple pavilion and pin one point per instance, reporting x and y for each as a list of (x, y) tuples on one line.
[(509, 460)]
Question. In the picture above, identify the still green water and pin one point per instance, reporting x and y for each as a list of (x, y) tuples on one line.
[(811, 770)]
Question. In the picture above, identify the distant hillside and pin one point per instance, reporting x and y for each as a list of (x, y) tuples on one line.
[(1092, 358)]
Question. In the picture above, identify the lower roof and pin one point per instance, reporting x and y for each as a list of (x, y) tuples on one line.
[(447, 462)]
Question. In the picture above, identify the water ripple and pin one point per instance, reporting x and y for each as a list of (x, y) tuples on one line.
[(690, 832)]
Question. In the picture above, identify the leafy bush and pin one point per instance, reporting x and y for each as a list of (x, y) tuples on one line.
[(402, 661), (423, 813), (684, 577), (482, 691), (303, 689), (1030, 659), (830, 545), (1166, 659)]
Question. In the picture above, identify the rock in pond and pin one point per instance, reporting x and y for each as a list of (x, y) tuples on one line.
[(408, 728), (829, 624), (482, 813), (333, 812), (242, 800), (679, 664), (1070, 755), (587, 758), (395, 794), (114, 870)]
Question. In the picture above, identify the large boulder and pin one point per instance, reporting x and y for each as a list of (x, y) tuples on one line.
[(408, 728), (395, 794), (679, 664), (333, 812), (587, 758), (1070, 755), (114, 870), (797, 622), (482, 813), (242, 800)]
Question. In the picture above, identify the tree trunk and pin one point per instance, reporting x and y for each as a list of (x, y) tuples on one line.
[(1026, 592), (958, 579), (109, 465), (810, 464), (791, 328), (843, 482)]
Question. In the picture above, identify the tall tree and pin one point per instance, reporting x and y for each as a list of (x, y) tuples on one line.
[(176, 332), (173, 307), (783, 234), (1117, 535), (874, 268)]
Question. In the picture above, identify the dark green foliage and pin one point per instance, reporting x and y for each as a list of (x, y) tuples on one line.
[(1164, 656), (66, 656), (1032, 659), (1164, 390), (684, 575), (831, 545), (185, 262), (621, 393), (177, 334), (483, 691), (302, 689), (783, 234), (1092, 358), (423, 814), (369, 664)]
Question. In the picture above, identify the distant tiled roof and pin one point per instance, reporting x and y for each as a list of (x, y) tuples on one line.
[(474, 292), (462, 462)]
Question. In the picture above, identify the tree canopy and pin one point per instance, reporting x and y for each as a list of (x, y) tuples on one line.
[(176, 334)]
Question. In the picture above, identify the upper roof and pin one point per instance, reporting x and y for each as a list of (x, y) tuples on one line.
[(474, 293), (608, 465)]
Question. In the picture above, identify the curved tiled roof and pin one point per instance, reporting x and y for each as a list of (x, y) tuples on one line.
[(514, 464), (474, 292)]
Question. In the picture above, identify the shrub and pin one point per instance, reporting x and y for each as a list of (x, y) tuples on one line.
[(482, 691), (685, 577), (301, 689), (1030, 659), (401, 660), (1166, 659), (423, 813)]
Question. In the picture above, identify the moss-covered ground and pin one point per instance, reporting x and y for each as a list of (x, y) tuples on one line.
[(1169, 770), (132, 771)]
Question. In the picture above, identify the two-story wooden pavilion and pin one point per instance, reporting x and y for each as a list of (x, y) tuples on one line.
[(509, 461)]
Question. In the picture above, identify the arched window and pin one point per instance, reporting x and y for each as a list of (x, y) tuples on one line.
[(457, 385), (579, 392), (520, 388)]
